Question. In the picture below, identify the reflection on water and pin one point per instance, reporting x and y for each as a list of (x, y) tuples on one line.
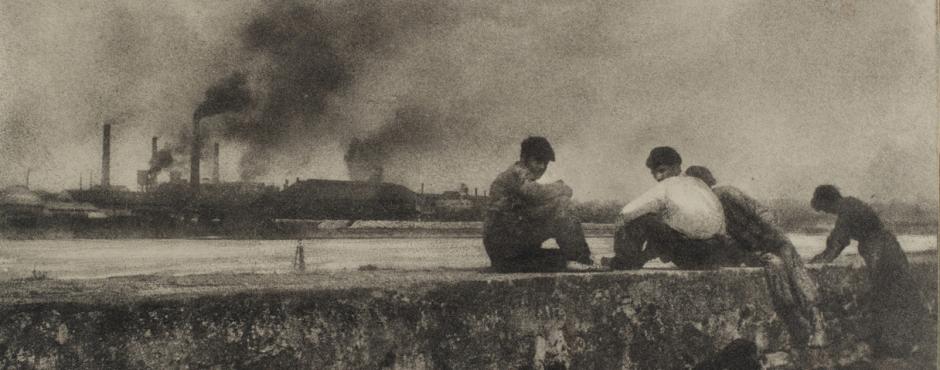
[(100, 258)]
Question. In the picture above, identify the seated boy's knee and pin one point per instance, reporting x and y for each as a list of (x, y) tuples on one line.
[(631, 232)]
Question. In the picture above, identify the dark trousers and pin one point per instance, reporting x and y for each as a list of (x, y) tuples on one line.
[(896, 306), (648, 237), (515, 244)]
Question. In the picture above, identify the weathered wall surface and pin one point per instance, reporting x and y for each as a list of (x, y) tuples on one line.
[(620, 320)]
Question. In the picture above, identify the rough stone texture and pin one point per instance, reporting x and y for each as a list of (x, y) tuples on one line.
[(622, 320)]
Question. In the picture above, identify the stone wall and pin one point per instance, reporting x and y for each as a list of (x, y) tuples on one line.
[(619, 320)]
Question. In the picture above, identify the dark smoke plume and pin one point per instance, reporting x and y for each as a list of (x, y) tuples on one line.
[(362, 162), (229, 95), (413, 132), (163, 160), (311, 54)]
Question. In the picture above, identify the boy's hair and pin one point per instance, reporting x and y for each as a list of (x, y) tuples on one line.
[(825, 195), (663, 155), (702, 173), (537, 147)]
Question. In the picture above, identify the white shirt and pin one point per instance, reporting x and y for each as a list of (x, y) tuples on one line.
[(684, 203)]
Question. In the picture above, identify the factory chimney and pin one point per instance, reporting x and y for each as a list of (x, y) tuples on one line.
[(194, 157), (215, 163), (151, 177), (106, 156)]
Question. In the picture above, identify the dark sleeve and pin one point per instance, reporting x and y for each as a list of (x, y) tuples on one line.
[(505, 192), (750, 204), (837, 241), (760, 210)]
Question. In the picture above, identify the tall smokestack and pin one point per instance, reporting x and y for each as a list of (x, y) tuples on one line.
[(194, 157), (151, 175), (106, 156), (215, 163)]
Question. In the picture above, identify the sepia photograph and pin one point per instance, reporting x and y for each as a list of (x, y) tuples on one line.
[(469, 184)]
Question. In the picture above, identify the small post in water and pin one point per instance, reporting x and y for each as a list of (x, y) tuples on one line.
[(299, 265)]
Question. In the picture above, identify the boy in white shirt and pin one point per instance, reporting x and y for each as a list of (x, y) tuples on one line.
[(679, 220)]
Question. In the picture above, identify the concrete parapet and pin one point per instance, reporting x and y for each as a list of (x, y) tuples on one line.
[(430, 320)]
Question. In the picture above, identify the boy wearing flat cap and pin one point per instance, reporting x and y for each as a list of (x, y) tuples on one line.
[(522, 214), (679, 220)]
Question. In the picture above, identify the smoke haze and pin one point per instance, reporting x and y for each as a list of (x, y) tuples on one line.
[(229, 95), (775, 97)]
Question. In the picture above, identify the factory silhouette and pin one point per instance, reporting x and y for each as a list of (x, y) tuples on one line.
[(209, 206)]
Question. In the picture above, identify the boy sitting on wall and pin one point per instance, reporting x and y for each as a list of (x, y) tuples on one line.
[(522, 214)]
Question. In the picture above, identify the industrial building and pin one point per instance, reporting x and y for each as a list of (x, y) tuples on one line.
[(211, 206)]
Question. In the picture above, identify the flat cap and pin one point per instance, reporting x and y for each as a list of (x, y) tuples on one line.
[(663, 155), (537, 147)]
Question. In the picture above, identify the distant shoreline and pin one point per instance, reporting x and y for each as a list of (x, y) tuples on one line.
[(353, 229)]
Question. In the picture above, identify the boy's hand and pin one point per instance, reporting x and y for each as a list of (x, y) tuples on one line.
[(767, 257)]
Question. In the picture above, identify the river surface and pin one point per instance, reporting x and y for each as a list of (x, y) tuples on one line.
[(87, 258)]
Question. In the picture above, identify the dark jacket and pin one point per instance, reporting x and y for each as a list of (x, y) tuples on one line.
[(520, 210), (895, 301), (856, 220), (748, 222), (516, 199)]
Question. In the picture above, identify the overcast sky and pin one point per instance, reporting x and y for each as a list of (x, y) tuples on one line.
[(775, 97)]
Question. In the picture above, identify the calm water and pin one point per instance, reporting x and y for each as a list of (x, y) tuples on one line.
[(68, 259)]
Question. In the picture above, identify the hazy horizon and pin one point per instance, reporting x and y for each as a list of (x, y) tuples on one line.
[(775, 98)]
